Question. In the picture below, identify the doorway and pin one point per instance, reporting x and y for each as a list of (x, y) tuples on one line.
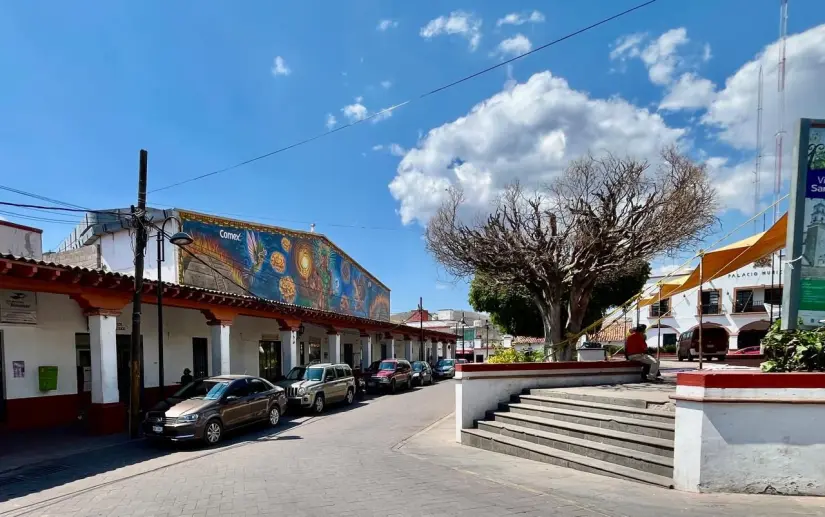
[(383, 351), (269, 359), (348, 356), (2, 381), (123, 344), (200, 358)]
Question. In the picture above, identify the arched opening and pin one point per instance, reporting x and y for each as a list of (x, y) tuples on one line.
[(751, 334), (669, 339)]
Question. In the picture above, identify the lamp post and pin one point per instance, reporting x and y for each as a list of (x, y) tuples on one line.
[(463, 341), (487, 340), (178, 239)]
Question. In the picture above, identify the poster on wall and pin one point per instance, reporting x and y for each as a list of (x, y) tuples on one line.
[(19, 369), (298, 268), (18, 307), (812, 275)]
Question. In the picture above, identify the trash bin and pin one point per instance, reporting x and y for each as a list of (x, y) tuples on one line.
[(589, 351)]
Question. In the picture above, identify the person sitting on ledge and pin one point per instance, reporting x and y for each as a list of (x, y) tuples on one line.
[(636, 350)]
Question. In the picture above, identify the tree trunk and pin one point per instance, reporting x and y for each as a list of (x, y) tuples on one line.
[(576, 311), (551, 319)]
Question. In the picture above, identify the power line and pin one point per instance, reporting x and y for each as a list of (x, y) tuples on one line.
[(396, 106), (42, 198)]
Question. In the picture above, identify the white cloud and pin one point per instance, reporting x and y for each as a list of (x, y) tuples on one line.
[(733, 111), (397, 150), (442, 286), (385, 25), (517, 45), (386, 84), (627, 46), (660, 56), (331, 121), (279, 67), (355, 112), (529, 132), (377, 147), (689, 92), (706, 53), (521, 18), (667, 269), (461, 23)]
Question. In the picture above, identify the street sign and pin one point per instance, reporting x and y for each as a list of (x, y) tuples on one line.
[(804, 291)]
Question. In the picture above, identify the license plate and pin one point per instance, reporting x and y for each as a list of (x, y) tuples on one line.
[(157, 429)]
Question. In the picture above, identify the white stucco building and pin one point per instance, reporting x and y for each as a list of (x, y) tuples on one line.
[(743, 302)]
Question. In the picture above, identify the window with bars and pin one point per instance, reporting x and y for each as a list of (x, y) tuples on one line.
[(711, 302), (744, 301), (660, 308), (773, 296)]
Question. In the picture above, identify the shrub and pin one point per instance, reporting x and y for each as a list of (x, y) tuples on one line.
[(797, 350), (511, 355)]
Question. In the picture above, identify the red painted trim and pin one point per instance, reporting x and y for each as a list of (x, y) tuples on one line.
[(21, 227), (735, 400), (716, 379), (41, 412), (553, 373), (516, 367)]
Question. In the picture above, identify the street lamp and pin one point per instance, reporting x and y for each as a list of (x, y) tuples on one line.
[(487, 343), (463, 343), (180, 239)]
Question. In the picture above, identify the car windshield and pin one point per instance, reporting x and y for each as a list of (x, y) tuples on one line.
[(215, 389), (314, 374), (387, 365), (193, 389), (418, 366), (296, 374), (446, 362)]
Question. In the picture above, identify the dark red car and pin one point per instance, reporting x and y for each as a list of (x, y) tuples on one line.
[(392, 375)]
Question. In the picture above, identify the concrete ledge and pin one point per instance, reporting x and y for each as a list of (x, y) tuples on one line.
[(482, 387), (750, 432)]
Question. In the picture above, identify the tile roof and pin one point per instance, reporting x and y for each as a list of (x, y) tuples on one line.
[(123, 282), (615, 331)]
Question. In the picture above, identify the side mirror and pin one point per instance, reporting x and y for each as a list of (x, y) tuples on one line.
[(231, 398)]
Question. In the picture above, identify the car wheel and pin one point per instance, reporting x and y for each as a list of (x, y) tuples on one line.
[(213, 432), (690, 356), (350, 397), (392, 387), (679, 356), (318, 406), (274, 415), (722, 358), (432, 381)]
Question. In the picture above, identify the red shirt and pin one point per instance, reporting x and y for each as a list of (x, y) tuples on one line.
[(635, 344)]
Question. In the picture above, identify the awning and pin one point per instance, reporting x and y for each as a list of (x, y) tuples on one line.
[(727, 259)]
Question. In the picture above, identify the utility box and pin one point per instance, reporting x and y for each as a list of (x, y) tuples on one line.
[(591, 352), (47, 377)]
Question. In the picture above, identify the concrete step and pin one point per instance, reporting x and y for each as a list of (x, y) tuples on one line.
[(597, 407), (644, 461), (534, 451), (647, 428), (616, 401), (660, 446)]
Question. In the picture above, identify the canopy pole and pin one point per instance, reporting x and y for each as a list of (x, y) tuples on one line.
[(701, 308), (659, 327)]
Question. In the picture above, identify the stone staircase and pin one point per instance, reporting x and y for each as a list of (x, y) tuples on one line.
[(621, 437)]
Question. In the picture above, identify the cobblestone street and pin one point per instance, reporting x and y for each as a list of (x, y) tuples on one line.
[(386, 456)]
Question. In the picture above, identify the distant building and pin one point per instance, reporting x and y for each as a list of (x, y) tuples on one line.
[(20, 240), (476, 337)]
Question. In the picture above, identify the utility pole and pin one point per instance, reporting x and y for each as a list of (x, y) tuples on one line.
[(421, 327), (135, 352)]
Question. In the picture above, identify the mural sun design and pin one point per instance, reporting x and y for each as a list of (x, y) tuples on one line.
[(278, 261)]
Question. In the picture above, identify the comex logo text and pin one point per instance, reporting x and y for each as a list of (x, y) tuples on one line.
[(230, 235)]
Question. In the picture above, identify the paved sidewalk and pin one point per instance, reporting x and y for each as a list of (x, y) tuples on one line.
[(592, 494)]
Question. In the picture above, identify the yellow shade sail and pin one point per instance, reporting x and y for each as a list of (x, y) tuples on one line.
[(726, 260)]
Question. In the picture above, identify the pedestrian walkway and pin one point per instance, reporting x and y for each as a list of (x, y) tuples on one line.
[(591, 494)]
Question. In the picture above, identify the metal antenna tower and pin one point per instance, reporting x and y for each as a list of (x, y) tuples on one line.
[(757, 192), (780, 74)]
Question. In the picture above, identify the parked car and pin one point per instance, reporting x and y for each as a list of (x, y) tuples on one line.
[(318, 385), (422, 373), (227, 402), (392, 374), (715, 343), (444, 369), (751, 350)]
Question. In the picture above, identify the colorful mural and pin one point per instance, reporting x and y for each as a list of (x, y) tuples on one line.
[(273, 263)]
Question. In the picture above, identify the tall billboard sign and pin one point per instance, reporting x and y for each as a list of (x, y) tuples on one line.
[(804, 293), (299, 268)]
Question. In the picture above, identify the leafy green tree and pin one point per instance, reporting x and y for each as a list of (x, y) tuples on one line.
[(514, 311)]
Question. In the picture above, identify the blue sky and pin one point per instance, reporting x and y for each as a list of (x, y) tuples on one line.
[(87, 84)]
